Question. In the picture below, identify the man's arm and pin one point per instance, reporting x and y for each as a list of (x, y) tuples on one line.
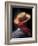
[(28, 18)]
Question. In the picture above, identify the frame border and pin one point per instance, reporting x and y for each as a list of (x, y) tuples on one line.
[(6, 19)]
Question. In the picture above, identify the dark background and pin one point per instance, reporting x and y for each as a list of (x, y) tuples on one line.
[(16, 11)]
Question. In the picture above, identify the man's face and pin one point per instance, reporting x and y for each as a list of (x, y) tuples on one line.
[(20, 17)]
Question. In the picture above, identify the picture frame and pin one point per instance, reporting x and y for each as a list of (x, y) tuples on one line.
[(8, 23)]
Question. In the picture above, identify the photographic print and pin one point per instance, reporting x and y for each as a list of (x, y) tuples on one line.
[(20, 22)]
